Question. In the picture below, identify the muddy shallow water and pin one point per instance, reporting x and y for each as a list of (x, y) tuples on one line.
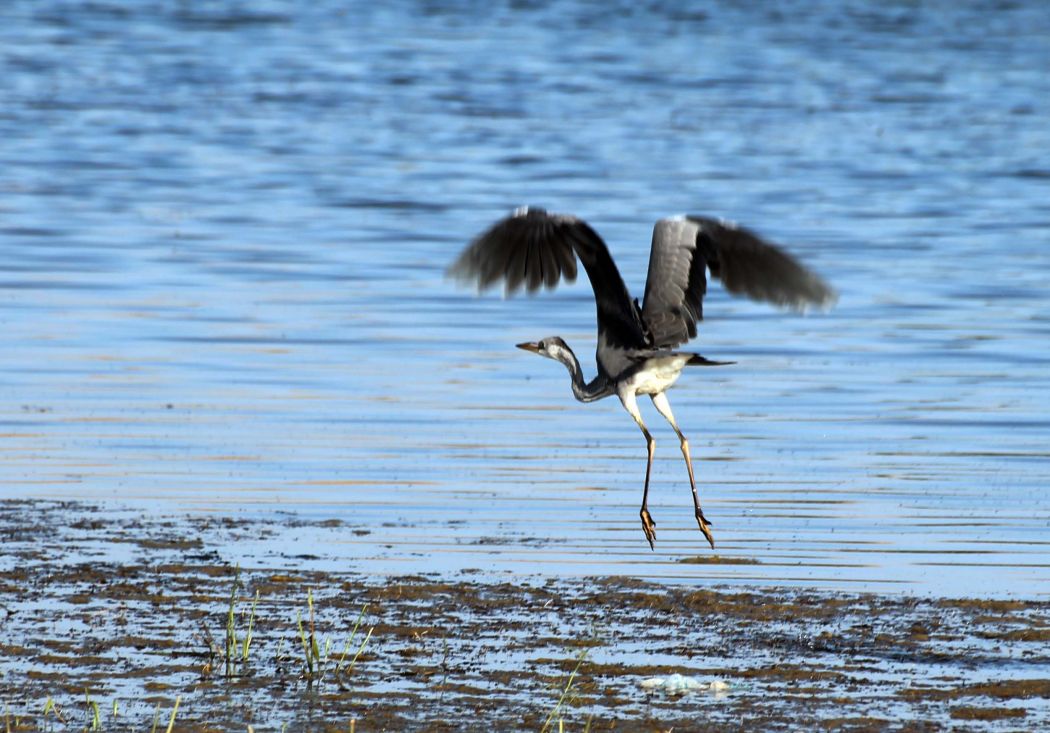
[(114, 608)]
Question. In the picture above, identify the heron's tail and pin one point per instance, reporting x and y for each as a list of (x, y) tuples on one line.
[(697, 360)]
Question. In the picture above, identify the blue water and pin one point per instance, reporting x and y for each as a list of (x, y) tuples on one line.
[(223, 230)]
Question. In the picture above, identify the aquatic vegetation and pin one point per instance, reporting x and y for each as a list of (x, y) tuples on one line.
[(317, 660), (94, 713), (565, 696), (171, 720), (238, 650), (349, 640)]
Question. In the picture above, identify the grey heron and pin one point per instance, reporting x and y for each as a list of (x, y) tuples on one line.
[(636, 352)]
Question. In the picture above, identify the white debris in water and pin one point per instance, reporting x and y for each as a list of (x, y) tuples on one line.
[(719, 687), (678, 684)]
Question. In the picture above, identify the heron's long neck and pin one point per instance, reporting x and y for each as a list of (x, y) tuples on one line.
[(583, 391)]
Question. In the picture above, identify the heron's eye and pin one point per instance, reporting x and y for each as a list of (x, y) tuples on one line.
[(542, 345)]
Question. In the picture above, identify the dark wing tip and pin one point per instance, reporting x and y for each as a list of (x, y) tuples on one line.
[(748, 265), (525, 249)]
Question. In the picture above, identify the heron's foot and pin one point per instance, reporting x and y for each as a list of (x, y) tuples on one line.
[(705, 527), (649, 527)]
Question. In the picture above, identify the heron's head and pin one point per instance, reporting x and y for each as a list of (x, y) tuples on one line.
[(552, 347)]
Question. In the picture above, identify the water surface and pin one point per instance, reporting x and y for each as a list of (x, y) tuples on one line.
[(223, 230)]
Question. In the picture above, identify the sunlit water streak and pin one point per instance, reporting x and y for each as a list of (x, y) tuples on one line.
[(223, 232)]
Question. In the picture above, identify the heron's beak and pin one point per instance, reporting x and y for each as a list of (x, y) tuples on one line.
[(530, 346)]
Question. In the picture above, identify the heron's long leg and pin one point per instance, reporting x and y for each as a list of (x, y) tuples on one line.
[(630, 403), (664, 408)]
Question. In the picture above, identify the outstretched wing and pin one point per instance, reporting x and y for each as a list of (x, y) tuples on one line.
[(685, 247), (533, 248)]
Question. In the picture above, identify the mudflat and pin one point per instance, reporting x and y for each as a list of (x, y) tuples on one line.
[(110, 619)]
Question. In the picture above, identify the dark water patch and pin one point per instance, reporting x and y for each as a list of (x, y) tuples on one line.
[(1035, 173), (260, 340), (50, 285), (974, 422), (228, 20), (394, 204), (41, 232)]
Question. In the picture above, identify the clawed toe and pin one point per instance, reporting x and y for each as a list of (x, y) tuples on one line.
[(649, 527), (705, 528)]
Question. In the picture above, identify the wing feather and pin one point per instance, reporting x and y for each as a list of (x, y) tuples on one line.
[(684, 248), (534, 249)]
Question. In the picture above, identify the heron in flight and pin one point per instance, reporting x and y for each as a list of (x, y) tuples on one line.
[(636, 352)]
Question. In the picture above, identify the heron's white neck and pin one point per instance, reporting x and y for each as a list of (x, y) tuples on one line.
[(596, 389)]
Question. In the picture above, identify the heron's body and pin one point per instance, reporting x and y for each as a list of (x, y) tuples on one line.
[(653, 375), (645, 367), (636, 344)]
